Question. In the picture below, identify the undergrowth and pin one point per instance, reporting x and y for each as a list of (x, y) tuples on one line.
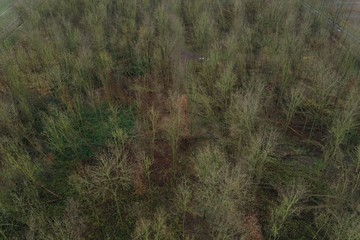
[(178, 120)]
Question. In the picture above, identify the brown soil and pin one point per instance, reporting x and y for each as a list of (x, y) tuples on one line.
[(253, 228)]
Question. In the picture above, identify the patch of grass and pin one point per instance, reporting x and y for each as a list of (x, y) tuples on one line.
[(8, 21), (5, 5), (299, 228), (72, 141), (81, 137)]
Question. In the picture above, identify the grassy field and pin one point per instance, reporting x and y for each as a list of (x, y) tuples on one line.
[(9, 23), (348, 12), (7, 14), (5, 4)]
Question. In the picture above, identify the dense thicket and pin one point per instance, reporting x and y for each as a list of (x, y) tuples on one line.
[(178, 119)]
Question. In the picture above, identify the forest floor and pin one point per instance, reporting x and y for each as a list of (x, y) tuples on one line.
[(140, 121)]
